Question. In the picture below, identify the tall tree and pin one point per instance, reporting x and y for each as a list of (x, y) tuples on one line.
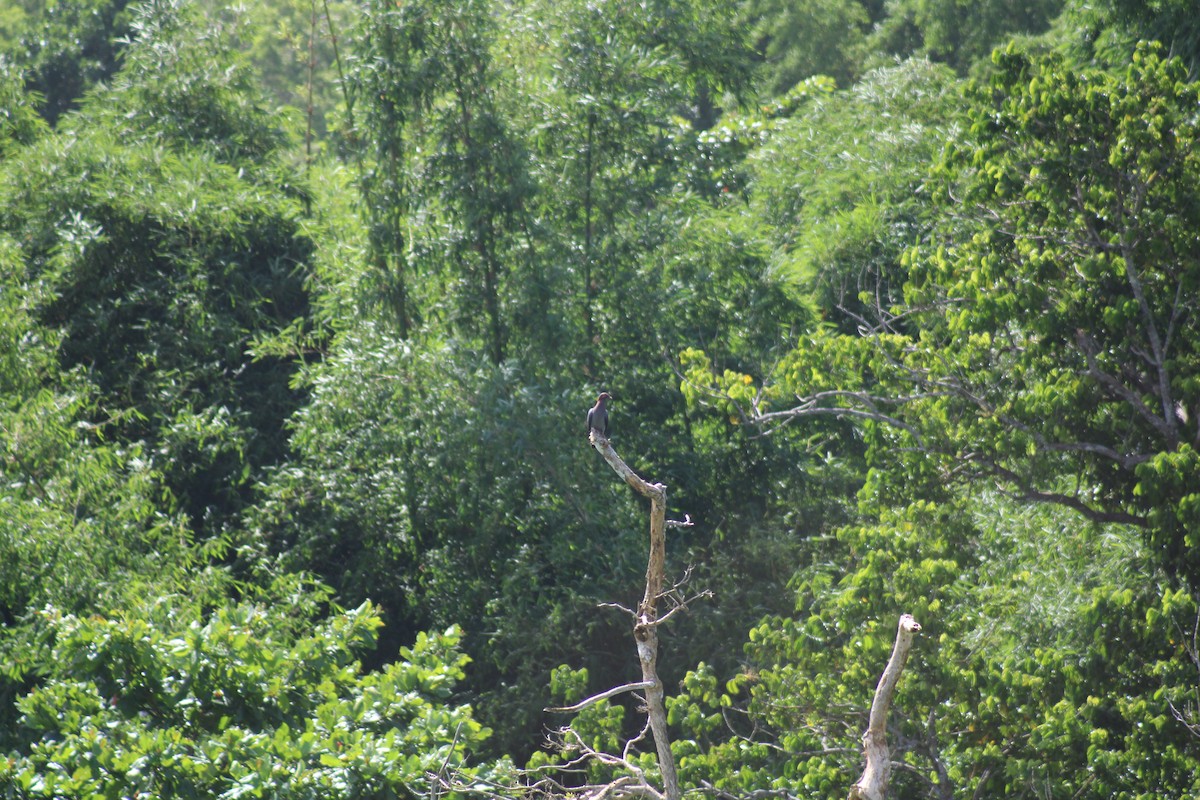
[(159, 220), (1048, 340), (621, 73), (390, 86), (480, 173)]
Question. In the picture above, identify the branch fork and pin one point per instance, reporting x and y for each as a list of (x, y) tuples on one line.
[(645, 629)]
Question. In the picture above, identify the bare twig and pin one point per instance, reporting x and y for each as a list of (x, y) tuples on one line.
[(1189, 715), (619, 607), (596, 698)]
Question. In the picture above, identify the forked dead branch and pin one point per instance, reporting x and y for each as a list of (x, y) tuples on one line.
[(645, 631)]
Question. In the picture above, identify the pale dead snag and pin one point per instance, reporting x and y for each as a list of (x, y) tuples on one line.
[(647, 620), (873, 784)]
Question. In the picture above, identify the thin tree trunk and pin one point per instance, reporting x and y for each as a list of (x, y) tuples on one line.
[(645, 629), (589, 328)]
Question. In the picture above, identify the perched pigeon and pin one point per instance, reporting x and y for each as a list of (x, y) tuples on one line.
[(597, 419)]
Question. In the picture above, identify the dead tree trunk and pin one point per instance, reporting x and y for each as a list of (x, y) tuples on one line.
[(645, 629), (873, 784)]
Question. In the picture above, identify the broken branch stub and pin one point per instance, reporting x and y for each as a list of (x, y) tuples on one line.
[(873, 784)]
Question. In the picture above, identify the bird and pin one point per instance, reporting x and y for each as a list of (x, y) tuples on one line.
[(597, 416)]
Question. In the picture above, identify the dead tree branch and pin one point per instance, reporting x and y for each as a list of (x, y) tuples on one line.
[(645, 629), (873, 784), (596, 698)]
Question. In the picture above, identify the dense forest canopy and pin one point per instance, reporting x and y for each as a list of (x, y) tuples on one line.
[(302, 307)]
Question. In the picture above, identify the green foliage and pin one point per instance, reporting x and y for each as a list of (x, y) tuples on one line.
[(215, 376), (19, 122), (185, 83), (297, 49), (389, 73), (67, 47), (1173, 23), (843, 186), (601, 124), (715, 161), (259, 698), (434, 58), (816, 37), (845, 39), (1051, 331), (81, 516), (960, 33), (85, 522), (465, 502), (476, 174), (160, 269), (1023, 682), (159, 263), (1046, 649), (1097, 173), (442, 488)]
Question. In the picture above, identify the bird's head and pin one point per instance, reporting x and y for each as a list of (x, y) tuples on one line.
[(604, 397)]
